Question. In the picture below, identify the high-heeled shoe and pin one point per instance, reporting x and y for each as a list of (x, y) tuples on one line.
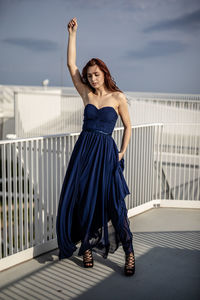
[(129, 268), (88, 259)]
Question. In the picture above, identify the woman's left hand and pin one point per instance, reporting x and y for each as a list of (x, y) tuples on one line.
[(120, 155)]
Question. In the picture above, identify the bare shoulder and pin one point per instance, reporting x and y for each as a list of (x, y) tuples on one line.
[(123, 108), (120, 98)]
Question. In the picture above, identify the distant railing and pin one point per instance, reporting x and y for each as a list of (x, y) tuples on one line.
[(47, 112), (158, 165), (163, 97), (180, 159), (8, 108), (147, 111)]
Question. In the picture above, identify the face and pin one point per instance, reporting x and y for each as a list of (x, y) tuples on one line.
[(95, 76)]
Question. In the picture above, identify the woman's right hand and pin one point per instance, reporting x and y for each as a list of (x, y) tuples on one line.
[(72, 25)]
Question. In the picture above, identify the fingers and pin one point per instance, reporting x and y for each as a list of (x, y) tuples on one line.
[(72, 22)]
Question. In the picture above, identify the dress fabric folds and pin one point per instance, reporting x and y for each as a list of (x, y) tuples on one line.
[(91, 207)]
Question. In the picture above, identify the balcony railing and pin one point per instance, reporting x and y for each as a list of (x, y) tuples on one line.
[(65, 112), (24, 112), (162, 162)]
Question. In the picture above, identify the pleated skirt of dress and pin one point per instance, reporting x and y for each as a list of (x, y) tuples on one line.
[(92, 208)]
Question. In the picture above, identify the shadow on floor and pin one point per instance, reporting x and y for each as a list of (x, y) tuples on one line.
[(161, 273)]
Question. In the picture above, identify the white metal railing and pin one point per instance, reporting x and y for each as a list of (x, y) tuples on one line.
[(65, 112), (146, 111), (180, 177), (46, 113), (56, 110), (7, 109), (164, 97), (32, 171), (159, 164)]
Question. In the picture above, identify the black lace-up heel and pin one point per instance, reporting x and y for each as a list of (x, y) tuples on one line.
[(88, 259), (129, 268)]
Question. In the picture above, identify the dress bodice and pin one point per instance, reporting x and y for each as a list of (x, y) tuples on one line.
[(102, 119)]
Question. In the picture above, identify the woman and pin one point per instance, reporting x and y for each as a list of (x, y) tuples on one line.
[(94, 187)]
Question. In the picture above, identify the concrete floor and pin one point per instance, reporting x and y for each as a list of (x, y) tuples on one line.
[(167, 252)]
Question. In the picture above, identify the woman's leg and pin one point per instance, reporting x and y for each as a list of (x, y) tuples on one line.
[(125, 235), (88, 259), (126, 238), (121, 225)]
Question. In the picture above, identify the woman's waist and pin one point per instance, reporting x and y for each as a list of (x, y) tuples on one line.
[(98, 130)]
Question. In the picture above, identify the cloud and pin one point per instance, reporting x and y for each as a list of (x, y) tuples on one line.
[(157, 49), (189, 21), (33, 44)]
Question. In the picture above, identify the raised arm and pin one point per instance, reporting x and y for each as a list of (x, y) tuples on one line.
[(71, 60)]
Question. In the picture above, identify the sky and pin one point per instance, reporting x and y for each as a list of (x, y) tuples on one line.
[(148, 45)]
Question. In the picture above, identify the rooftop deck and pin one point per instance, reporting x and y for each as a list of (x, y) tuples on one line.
[(167, 252)]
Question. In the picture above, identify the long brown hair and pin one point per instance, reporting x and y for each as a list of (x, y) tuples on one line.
[(108, 80)]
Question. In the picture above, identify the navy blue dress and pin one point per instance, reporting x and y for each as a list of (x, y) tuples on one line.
[(91, 208)]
